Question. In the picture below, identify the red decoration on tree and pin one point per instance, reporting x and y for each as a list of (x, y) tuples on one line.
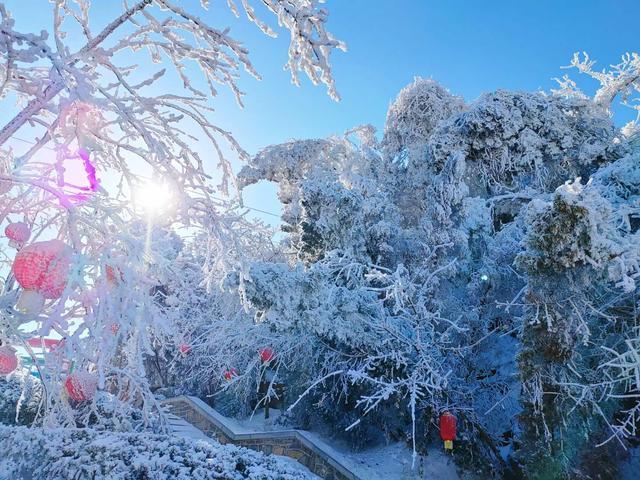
[(41, 269), (81, 386), (114, 275), (184, 348), (447, 430), (18, 233), (115, 328), (8, 360), (267, 354), (229, 374), (50, 343)]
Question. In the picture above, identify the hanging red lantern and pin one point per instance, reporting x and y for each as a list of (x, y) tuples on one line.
[(18, 233), (81, 386), (184, 348), (447, 430), (8, 360), (41, 269), (267, 354), (229, 374)]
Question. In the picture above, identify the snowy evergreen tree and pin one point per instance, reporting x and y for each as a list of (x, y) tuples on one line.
[(480, 258)]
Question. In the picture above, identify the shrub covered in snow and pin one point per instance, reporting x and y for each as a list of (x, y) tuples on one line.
[(66, 454), (20, 396)]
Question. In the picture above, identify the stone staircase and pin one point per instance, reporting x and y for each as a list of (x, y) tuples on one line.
[(191, 417), (180, 427)]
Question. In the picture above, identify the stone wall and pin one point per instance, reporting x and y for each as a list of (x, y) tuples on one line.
[(299, 445)]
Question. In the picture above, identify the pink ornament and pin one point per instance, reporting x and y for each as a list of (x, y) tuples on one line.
[(81, 386), (8, 360), (76, 175), (115, 328), (267, 354), (184, 348), (18, 233), (41, 269)]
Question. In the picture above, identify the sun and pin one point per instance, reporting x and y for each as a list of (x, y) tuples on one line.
[(154, 198)]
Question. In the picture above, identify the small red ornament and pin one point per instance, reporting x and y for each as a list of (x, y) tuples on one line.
[(184, 348), (81, 386), (448, 430), (267, 354), (115, 328), (41, 269), (8, 360), (18, 233), (114, 275), (229, 374)]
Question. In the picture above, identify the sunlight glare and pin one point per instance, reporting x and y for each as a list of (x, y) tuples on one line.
[(154, 197)]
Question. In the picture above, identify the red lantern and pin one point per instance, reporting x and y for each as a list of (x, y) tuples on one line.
[(41, 269), (229, 374), (18, 233), (447, 430), (184, 348), (8, 360), (267, 354), (81, 386)]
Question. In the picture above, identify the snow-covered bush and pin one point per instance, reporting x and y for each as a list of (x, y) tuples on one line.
[(59, 454), (20, 397)]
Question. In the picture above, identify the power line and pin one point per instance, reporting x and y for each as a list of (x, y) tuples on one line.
[(255, 209), (30, 142), (217, 198)]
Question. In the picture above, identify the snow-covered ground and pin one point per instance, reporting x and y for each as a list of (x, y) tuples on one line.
[(389, 462), (394, 462)]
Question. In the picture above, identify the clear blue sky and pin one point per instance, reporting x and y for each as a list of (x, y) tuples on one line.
[(471, 47)]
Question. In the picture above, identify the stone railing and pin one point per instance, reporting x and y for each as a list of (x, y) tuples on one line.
[(302, 446)]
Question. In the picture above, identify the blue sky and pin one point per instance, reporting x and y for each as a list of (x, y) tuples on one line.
[(471, 47)]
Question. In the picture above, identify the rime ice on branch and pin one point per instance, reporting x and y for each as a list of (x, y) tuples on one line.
[(96, 109)]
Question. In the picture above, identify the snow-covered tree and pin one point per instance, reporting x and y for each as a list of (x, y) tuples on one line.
[(112, 140), (479, 258)]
